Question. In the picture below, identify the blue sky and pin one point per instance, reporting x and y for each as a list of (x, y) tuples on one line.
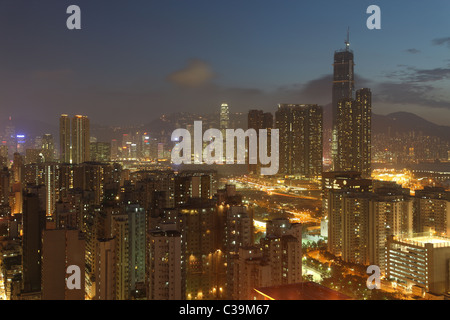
[(134, 60)]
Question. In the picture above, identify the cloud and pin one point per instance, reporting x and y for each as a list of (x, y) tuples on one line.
[(196, 74), (409, 94), (441, 41), (412, 51), (414, 75)]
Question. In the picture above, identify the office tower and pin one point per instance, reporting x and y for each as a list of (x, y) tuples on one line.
[(335, 185), (257, 119), (224, 118), (33, 225), (64, 139), (105, 283), (61, 249), (390, 213), (251, 270), (80, 139), (432, 211), (166, 269), (343, 87), (301, 129), (419, 263)]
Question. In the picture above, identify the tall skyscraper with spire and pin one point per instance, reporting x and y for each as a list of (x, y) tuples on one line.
[(343, 87), (352, 118)]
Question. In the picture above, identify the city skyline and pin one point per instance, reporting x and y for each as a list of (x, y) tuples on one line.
[(156, 58), (224, 151)]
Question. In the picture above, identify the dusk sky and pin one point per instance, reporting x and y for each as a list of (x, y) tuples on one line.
[(134, 60)]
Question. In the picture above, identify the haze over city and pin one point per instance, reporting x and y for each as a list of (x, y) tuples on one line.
[(132, 61), (240, 151)]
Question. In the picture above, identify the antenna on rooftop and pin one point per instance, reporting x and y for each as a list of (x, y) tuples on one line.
[(347, 42)]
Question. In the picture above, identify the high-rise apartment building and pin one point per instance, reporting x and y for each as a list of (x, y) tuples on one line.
[(354, 134), (80, 139), (282, 248), (335, 187), (258, 119), (166, 269), (300, 146), (432, 211), (61, 249), (390, 213), (64, 139), (33, 225)]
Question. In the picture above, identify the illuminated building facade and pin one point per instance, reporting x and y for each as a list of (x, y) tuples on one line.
[(165, 270), (300, 146), (353, 132), (80, 139), (343, 88), (419, 261), (64, 139), (432, 211)]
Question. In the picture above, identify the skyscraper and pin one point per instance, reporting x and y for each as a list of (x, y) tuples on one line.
[(343, 87), (354, 133), (64, 138), (80, 139), (61, 249), (224, 118), (352, 117), (258, 119), (301, 129)]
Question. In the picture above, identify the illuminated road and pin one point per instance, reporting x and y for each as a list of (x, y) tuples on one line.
[(269, 189)]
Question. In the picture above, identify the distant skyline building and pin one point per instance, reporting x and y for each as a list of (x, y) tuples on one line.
[(80, 139), (224, 118), (64, 139), (74, 139)]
